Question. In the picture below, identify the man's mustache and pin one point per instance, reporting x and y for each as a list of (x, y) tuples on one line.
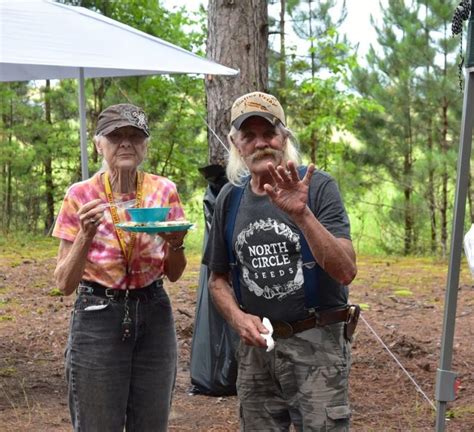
[(262, 154)]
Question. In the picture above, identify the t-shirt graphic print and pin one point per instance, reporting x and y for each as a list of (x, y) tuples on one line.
[(272, 269)]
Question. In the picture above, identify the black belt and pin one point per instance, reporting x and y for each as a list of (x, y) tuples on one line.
[(94, 288), (347, 314)]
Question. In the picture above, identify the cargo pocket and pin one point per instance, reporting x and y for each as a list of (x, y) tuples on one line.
[(337, 418)]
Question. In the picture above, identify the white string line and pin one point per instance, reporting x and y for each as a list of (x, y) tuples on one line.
[(399, 364), (212, 130)]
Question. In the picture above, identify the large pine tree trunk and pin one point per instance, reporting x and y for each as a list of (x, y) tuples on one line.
[(237, 38)]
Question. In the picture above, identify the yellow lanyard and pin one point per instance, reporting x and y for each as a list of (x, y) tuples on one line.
[(127, 252)]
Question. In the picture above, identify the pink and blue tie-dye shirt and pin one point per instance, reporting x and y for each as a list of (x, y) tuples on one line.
[(106, 263)]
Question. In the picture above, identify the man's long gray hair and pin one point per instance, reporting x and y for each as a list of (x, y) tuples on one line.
[(237, 170)]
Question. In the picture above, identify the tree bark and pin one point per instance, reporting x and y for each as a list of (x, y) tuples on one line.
[(237, 38), (431, 191), (48, 166), (282, 52), (444, 179)]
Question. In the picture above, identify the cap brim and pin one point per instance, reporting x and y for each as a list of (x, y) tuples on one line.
[(267, 116), (118, 125)]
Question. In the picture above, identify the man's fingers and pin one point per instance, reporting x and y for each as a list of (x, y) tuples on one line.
[(309, 174), (270, 190), (285, 175), (292, 171)]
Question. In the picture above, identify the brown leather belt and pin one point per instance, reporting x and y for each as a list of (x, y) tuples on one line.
[(347, 314)]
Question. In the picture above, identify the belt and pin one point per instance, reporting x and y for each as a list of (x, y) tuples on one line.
[(94, 288), (284, 329)]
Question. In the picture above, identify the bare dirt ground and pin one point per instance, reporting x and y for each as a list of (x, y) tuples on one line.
[(33, 331)]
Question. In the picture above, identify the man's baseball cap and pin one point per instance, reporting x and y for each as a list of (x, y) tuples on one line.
[(257, 104), (121, 115)]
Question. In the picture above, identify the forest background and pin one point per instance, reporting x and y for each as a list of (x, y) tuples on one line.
[(386, 126)]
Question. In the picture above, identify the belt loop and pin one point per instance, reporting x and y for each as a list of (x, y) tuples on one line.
[(110, 293)]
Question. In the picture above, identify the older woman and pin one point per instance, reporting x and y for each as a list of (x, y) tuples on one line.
[(121, 352)]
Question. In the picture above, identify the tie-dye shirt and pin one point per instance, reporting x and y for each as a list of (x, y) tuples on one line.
[(106, 263)]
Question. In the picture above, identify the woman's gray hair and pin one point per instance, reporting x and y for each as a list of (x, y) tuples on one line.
[(237, 170)]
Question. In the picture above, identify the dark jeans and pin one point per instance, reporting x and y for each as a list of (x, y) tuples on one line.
[(114, 383)]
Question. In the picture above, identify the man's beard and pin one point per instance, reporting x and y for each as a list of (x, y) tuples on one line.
[(263, 154)]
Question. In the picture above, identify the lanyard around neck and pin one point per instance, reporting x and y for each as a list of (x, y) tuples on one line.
[(127, 251)]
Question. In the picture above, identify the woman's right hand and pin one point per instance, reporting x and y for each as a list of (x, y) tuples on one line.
[(90, 215)]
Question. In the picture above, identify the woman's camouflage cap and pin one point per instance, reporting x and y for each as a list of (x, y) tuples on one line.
[(121, 115)]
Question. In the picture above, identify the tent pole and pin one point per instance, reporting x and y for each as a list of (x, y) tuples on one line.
[(82, 124), (445, 378)]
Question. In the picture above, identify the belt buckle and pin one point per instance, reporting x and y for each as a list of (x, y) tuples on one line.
[(282, 329), (109, 293)]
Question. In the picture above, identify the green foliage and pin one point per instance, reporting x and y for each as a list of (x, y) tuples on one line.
[(20, 246), (386, 130), (55, 292), (403, 293), (408, 144), (29, 141)]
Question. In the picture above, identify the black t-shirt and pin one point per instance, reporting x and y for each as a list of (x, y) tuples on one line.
[(267, 247)]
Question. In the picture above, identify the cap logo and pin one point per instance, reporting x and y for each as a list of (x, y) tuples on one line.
[(134, 116), (256, 105)]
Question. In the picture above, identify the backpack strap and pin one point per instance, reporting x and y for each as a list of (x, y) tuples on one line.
[(311, 268), (234, 204)]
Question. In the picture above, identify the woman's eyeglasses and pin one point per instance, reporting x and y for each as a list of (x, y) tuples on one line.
[(135, 138)]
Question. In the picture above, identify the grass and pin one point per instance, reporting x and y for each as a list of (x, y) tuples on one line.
[(18, 247)]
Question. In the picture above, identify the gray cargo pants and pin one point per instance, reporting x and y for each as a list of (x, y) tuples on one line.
[(303, 381)]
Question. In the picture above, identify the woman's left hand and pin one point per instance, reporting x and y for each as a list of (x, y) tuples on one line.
[(174, 239)]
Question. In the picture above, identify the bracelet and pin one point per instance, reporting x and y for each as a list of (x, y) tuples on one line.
[(177, 248)]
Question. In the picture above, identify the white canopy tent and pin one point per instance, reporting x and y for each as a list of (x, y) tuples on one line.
[(41, 39)]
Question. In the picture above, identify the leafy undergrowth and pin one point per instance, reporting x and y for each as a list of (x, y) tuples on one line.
[(403, 304), (18, 248)]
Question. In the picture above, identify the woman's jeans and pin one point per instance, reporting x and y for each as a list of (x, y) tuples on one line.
[(112, 382)]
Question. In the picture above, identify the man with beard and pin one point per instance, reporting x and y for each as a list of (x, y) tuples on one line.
[(281, 234)]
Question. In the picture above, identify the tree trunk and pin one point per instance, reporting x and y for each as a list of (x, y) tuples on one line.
[(313, 151), (48, 166), (408, 178), (99, 90), (408, 244), (237, 38), (444, 180), (282, 53), (431, 191), (8, 194), (8, 206)]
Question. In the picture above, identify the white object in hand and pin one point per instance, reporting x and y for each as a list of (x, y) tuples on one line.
[(268, 336)]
